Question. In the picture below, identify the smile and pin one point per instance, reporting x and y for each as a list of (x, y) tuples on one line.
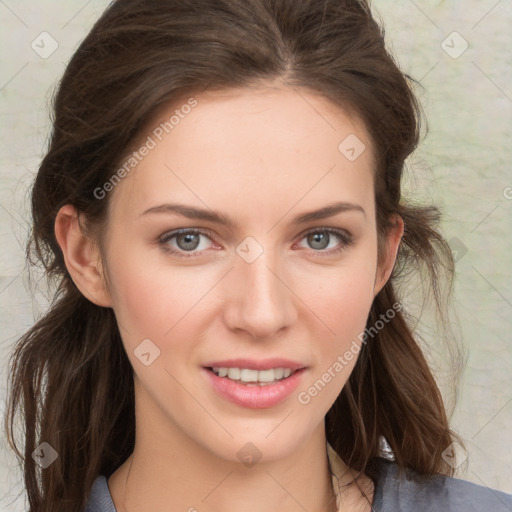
[(253, 389), (255, 377)]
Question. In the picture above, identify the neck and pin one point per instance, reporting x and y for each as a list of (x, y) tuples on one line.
[(170, 471), (159, 480)]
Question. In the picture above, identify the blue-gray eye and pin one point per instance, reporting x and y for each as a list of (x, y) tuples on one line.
[(322, 239), (184, 241)]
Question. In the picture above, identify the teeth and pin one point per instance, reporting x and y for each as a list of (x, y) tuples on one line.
[(247, 375), (265, 375), (255, 376), (234, 373)]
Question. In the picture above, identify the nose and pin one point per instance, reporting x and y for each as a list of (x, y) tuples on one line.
[(259, 300)]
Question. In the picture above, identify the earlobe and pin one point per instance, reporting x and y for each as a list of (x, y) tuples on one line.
[(385, 268), (81, 257)]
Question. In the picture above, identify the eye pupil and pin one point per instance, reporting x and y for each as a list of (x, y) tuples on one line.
[(322, 238), (190, 243)]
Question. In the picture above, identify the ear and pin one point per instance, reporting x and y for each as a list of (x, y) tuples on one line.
[(392, 243), (81, 256)]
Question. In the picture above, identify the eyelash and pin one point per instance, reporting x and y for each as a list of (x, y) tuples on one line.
[(346, 241)]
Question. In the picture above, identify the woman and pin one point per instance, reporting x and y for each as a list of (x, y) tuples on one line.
[(220, 204)]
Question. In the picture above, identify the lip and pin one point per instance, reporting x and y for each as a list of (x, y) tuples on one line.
[(254, 396), (253, 364)]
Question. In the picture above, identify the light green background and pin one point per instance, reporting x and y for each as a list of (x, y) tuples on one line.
[(464, 163)]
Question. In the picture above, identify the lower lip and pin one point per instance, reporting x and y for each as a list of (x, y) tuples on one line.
[(255, 396)]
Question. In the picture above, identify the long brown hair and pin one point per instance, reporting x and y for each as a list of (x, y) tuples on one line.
[(71, 381)]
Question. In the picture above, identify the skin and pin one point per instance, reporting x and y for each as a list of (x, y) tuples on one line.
[(260, 157)]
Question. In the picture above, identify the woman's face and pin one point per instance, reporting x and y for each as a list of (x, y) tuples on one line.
[(273, 285)]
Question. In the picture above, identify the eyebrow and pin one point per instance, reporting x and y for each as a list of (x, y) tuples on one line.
[(193, 212)]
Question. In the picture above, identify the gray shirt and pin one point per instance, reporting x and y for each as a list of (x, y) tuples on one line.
[(392, 494)]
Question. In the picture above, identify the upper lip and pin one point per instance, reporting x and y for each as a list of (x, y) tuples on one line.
[(253, 364)]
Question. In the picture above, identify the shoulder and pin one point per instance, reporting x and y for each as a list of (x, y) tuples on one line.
[(394, 492), (403, 492), (100, 499)]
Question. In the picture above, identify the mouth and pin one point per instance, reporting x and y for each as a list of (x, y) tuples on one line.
[(254, 384), (251, 377)]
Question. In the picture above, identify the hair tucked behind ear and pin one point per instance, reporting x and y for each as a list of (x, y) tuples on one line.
[(391, 391), (71, 381)]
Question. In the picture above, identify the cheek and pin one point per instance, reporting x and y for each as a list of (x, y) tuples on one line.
[(140, 292), (345, 312), (343, 304), (137, 297), (150, 298), (343, 295), (342, 300), (153, 300), (352, 299)]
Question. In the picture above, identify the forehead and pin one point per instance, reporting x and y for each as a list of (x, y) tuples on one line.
[(252, 147)]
